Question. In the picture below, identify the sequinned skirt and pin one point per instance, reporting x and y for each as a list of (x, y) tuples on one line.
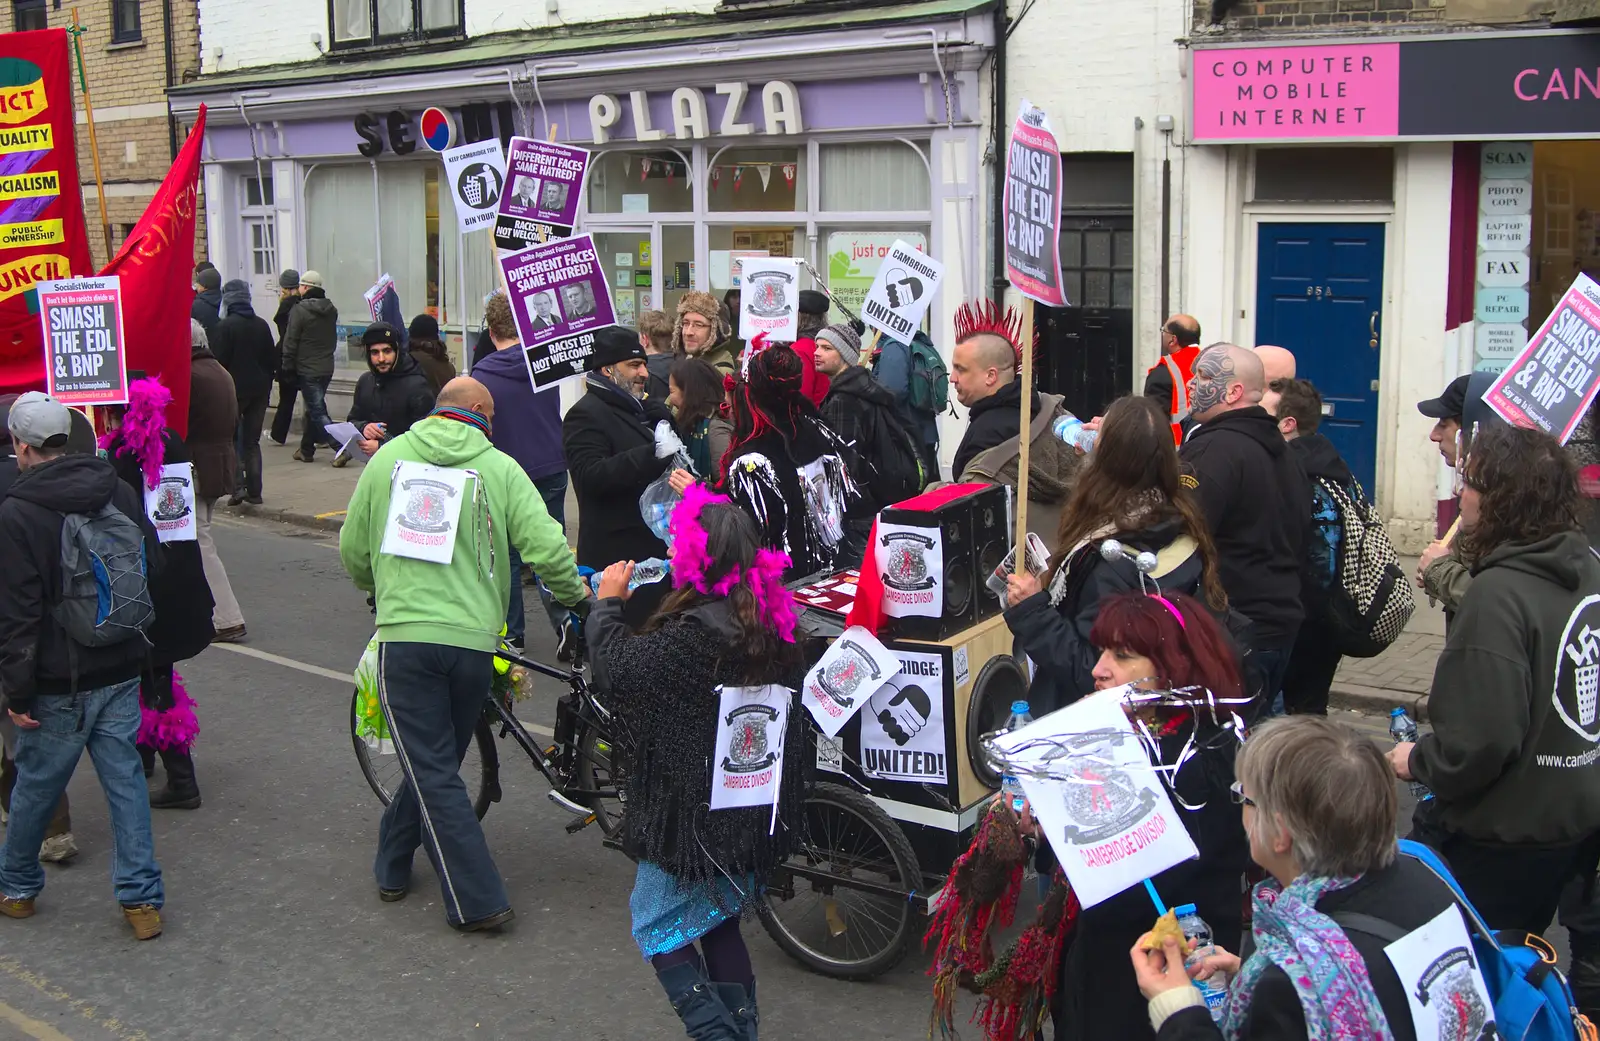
[(668, 915)]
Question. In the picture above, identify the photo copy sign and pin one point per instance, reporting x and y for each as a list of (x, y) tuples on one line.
[(849, 673), (1109, 821), (748, 767), (1033, 209), (911, 568), (901, 293), (903, 728), (544, 181), (560, 297), (769, 299), (1553, 381), (476, 174), (170, 504), (84, 358)]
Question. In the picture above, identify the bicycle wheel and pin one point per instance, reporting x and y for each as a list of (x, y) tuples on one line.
[(833, 927), (594, 772), (480, 768)]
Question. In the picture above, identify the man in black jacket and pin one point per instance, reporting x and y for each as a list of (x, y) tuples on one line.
[(242, 342), (207, 305), (1315, 657), (64, 696), (1256, 500), (609, 437), (391, 395), (288, 296), (983, 371)]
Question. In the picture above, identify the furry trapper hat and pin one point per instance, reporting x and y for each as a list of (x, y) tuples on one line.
[(705, 305)]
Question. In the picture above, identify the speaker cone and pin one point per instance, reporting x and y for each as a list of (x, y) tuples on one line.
[(1000, 682)]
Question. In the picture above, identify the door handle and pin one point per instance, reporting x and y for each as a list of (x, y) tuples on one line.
[(1372, 330)]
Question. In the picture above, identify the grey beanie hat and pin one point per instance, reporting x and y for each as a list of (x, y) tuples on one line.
[(290, 279), (844, 339)]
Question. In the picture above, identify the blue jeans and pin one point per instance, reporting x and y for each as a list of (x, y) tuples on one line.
[(432, 697), (553, 490), (105, 721), (314, 389)]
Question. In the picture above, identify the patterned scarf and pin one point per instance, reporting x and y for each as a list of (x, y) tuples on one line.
[(463, 415), (1325, 968)]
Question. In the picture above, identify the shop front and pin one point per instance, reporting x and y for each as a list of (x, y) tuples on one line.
[(1396, 213), (824, 146)]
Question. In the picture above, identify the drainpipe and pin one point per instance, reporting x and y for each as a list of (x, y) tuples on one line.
[(166, 36), (997, 222)]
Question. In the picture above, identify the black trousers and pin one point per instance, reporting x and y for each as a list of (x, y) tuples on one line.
[(1517, 887), (288, 390), (1312, 665), (252, 413)]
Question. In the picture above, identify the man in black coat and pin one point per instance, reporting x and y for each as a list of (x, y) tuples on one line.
[(242, 342), (609, 437), (288, 296), (391, 395), (207, 305), (983, 371), (1256, 500)]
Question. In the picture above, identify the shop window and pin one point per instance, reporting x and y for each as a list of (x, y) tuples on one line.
[(884, 176), (1097, 262), (731, 243), (657, 181), (1565, 226), (359, 22), (757, 180), (1324, 175), (849, 257), (28, 14), (125, 26), (1097, 181), (253, 194)]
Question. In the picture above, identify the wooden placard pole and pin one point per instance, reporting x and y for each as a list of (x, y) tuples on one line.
[(870, 348), (76, 31), (1021, 552)]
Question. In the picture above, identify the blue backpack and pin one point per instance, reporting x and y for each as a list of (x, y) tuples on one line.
[(1532, 1001)]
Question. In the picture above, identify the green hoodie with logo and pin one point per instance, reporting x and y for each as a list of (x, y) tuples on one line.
[(463, 603)]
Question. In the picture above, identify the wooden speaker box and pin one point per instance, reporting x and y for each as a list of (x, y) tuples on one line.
[(974, 535), (914, 745)]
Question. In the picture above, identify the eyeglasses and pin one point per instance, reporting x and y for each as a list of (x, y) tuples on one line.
[(1239, 797)]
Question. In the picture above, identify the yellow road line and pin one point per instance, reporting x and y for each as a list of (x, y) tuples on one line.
[(30, 1026), (326, 516)]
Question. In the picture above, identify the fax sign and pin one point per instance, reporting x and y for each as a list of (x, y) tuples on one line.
[(900, 295)]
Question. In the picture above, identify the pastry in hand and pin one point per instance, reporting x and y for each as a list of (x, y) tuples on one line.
[(1166, 925)]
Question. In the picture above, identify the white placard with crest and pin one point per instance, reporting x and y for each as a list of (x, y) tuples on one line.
[(748, 767), (425, 504), (848, 675), (170, 504)]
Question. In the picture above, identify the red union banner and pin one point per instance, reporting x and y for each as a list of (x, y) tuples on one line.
[(42, 234)]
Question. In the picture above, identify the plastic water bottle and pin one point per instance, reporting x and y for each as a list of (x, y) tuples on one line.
[(1215, 988), (1403, 728), (1070, 429), (1020, 717)]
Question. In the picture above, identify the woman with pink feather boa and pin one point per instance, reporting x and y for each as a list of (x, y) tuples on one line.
[(138, 445)]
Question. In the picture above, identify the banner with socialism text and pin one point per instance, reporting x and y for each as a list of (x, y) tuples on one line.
[(42, 235)]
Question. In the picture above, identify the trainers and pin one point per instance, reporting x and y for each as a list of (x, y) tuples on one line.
[(16, 906), (300, 457), (58, 849), (144, 918), (340, 460), (232, 634)]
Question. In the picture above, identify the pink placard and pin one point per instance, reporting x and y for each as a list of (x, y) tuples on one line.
[(1271, 93)]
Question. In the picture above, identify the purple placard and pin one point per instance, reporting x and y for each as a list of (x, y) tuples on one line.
[(560, 298), (544, 181)]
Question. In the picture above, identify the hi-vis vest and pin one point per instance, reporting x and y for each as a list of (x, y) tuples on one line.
[(1180, 364)]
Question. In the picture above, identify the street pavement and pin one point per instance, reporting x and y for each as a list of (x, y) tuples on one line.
[(273, 929)]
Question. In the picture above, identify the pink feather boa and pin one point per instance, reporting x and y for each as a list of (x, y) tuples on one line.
[(174, 729), (142, 426), (691, 559)]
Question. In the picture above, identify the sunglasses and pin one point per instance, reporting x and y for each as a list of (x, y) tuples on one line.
[(1239, 797)]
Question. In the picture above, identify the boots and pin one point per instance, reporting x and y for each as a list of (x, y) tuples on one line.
[(1584, 979), (181, 792), (147, 755), (697, 1003), (742, 1005)]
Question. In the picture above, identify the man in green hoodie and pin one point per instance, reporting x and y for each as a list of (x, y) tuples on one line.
[(428, 533)]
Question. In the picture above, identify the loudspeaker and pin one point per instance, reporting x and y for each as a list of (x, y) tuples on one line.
[(974, 537)]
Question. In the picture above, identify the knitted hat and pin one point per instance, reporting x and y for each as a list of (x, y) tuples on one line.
[(210, 278), (813, 302), (844, 339), (236, 295), (613, 344), (311, 278), (290, 279), (424, 327), (381, 332), (705, 305)]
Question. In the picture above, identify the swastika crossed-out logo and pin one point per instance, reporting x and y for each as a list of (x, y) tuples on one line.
[(1577, 680), (480, 184)]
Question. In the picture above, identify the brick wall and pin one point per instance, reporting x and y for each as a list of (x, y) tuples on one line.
[(127, 84), (1257, 15)]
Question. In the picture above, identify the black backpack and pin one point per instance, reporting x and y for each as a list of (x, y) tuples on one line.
[(895, 458), (1370, 599)]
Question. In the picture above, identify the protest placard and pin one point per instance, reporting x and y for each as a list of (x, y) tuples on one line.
[(170, 504), (84, 359), (544, 181), (844, 679), (747, 769), (383, 303), (476, 174), (560, 296), (1553, 381), (903, 736), (1103, 809), (769, 299), (911, 567), (900, 295), (1444, 984), (1033, 209)]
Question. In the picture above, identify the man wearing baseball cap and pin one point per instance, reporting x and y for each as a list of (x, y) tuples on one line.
[(65, 695), (1446, 411)]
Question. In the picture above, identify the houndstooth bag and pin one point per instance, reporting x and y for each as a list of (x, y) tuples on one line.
[(1371, 600)]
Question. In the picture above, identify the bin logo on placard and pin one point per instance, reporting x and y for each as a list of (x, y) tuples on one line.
[(768, 300), (1577, 688), (425, 509), (750, 749), (171, 503), (907, 567), (1448, 985), (479, 184)]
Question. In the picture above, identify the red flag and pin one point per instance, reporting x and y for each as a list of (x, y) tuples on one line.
[(157, 268), (42, 215)]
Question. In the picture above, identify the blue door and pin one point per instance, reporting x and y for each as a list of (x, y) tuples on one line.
[(1319, 292)]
